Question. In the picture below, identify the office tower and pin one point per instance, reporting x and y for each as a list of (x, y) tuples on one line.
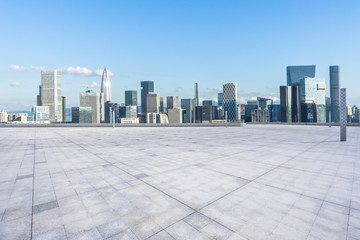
[(260, 115), (81, 115), (161, 110), (335, 93), (130, 98), (312, 90), (110, 110), (264, 102), (295, 103), (295, 73), (274, 113), (221, 100), (127, 112), (308, 112), (50, 94), (38, 97), (207, 103), (230, 98), (172, 102), (175, 115), (3, 116), (204, 114), (196, 97), (328, 108), (40, 114), (152, 102), (105, 86), (146, 87), (285, 103), (188, 110), (249, 107), (92, 99), (64, 108)]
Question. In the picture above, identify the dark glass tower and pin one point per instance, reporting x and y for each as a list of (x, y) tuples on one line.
[(146, 87), (130, 98), (335, 93), (295, 73)]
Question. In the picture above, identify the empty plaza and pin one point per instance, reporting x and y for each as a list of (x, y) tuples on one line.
[(250, 182)]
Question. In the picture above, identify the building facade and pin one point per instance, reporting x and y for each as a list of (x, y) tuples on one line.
[(285, 103), (187, 106), (41, 114), (172, 102), (230, 99), (152, 102), (130, 98), (335, 93), (146, 87), (92, 99), (295, 73)]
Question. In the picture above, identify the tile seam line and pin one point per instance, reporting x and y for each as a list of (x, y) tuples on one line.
[(132, 175), (33, 188)]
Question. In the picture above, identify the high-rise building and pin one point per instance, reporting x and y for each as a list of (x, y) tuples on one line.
[(230, 98), (221, 100), (196, 95), (264, 103), (64, 108), (152, 102), (207, 103), (249, 107), (50, 94), (146, 87), (335, 93), (188, 110), (128, 112), (161, 109), (40, 114), (3, 116), (175, 115), (328, 108), (295, 103), (274, 113), (260, 115), (92, 99), (172, 102), (105, 86), (204, 114), (111, 110), (130, 98), (296, 73), (81, 115), (285, 103), (312, 90)]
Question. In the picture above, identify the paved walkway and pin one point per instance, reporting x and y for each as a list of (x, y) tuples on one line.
[(253, 182)]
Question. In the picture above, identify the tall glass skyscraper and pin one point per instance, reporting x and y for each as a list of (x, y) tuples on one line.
[(50, 94), (197, 101), (295, 73), (146, 87), (335, 93), (130, 98), (221, 100), (105, 86), (188, 110), (230, 98), (285, 103)]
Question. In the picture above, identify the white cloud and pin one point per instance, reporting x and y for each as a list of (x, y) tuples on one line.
[(14, 84), (99, 72), (17, 68), (91, 85), (37, 68), (83, 71)]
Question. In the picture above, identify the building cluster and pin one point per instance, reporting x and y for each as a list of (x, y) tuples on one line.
[(303, 99)]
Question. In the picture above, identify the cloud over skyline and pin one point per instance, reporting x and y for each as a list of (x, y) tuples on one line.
[(37, 68), (14, 84), (17, 68)]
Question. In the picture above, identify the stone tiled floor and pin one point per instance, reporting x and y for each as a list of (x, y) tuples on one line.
[(253, 182)]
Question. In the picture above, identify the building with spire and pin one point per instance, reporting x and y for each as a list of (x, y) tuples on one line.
[(105, 93)]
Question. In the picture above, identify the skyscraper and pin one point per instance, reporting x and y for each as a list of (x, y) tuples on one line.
[(295, 73), (221, 100), (146, 87), (130, 98), (105, 86), (50, 94), (152, 102), (91, 99), (335, 93), (172, 102), (230, 98), (188, 110), (196, 98), (295, 103), (285, 103), (312, 91)]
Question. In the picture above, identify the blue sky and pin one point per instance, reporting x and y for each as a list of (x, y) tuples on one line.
[(175, 44)]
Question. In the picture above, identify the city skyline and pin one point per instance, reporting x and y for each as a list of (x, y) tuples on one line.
[(209, 43)]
